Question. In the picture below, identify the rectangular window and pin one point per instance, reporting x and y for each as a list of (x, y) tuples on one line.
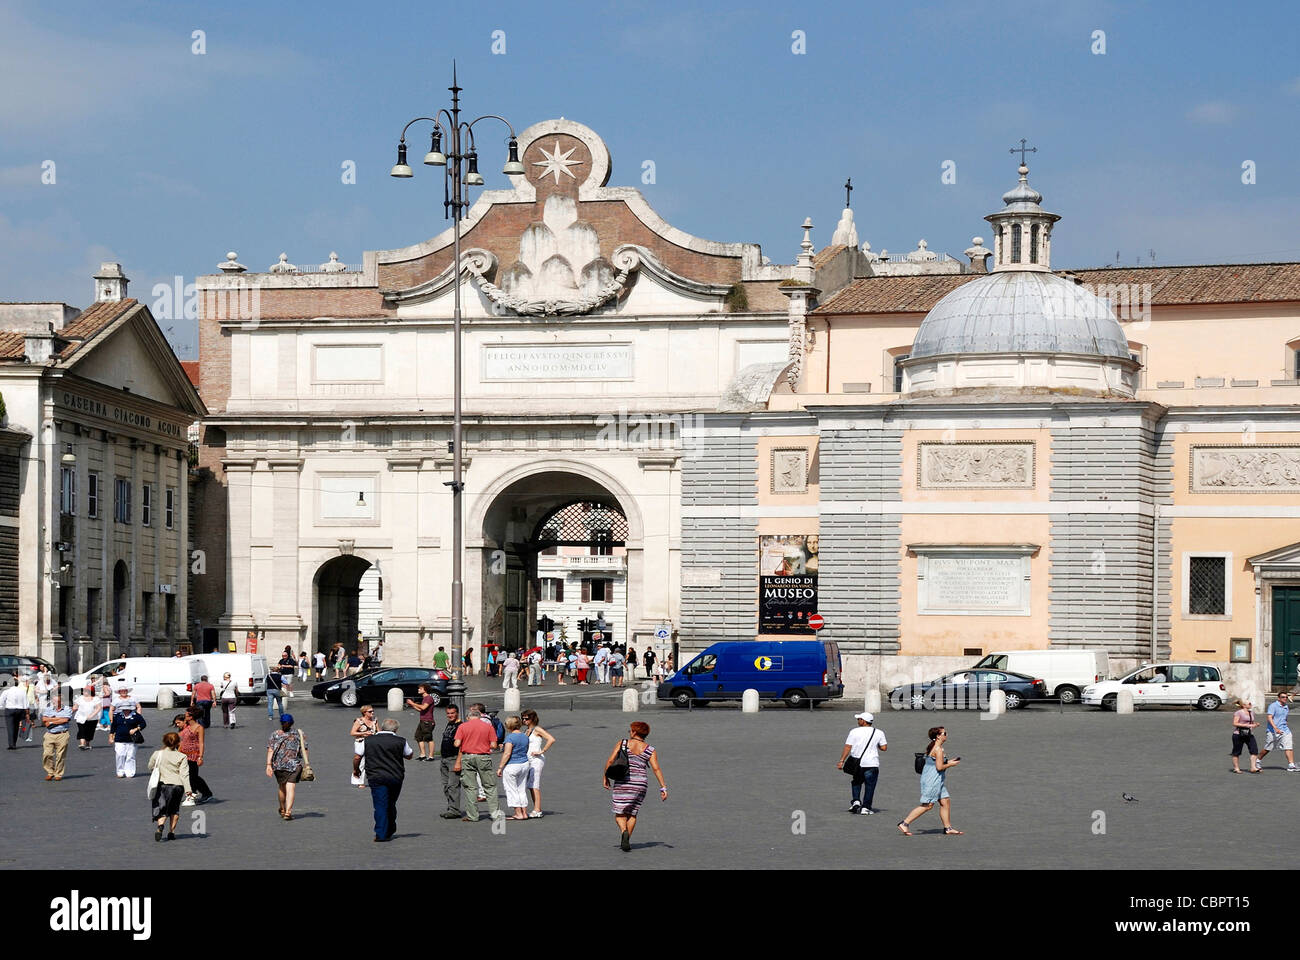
[(1207, 586), (169, 509), (601, 591), (898, 372), (122, 500), (1015, 242), (551, 589), (92, 495), (68, 491), (1033, 244), (146, 504)]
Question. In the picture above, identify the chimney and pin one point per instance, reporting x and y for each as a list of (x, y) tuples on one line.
[(110, 283), (39, 347), (978, 255)]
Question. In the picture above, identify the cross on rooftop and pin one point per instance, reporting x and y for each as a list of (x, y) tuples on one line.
[(1022, 150), (848, 192)]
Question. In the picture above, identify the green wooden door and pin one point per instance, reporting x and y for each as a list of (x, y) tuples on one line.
[(1286, 634)]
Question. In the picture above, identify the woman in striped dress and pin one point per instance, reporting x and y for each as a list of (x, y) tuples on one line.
[(630, 793)]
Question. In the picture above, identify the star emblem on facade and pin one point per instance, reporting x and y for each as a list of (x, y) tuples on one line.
[(557, 163)]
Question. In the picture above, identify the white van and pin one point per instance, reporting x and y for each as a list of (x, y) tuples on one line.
[(248, 670), (145, 676), (1064, 672)]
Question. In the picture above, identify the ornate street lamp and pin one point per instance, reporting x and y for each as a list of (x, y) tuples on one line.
[(460, 169)]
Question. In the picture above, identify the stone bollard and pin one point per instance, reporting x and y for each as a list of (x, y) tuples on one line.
[(873, 701), (1124, 700), (631, 701), (166, 699), (512, 700), (997, 703), (395, 700), (749, 701)]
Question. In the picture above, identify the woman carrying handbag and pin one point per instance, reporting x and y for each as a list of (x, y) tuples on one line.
[(287, 763)]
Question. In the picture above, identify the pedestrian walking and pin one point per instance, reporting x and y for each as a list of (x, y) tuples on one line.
[(1277, 736), (377, 655), (513, 768), (666, 668), (631, 663), (105, 703), (363, 726), (193, 744), (340, 661), (491, 661), (474, 743), (274, 695), (629, 792), (861, 759), (89, 707), (229, 696), (440, 659), (318, 658), (510, 672), (468, 660), (934, 785), (13, 701), (286, 759), (174, 785), (539, 741), (649, 662), (287, 666), (202, 697), (1243, 735), (124, 733), (384, 755), (446, 763), (33, 715), (424, 705), (580, 666), (616, 661), (304, 666), (535, 668), (54, 751)]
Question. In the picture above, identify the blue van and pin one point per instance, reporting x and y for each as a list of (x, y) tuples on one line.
[(795, 671)]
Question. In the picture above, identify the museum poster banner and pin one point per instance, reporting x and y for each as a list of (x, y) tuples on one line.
[(787, 583)]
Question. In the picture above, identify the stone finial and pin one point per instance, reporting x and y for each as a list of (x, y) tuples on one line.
[(870, 254), (922, 253), (333, 266), (283, 266), (232, 264), (803, 264), (846, 233), (978, 255)]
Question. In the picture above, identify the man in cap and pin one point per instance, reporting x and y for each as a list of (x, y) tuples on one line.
[(865, 744)]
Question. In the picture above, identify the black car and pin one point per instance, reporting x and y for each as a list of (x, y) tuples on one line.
[(968, 690), (372, 686)]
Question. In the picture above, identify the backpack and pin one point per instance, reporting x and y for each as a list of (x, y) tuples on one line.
[(919, 762)]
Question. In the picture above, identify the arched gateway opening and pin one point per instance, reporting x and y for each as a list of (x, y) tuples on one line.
[(555, 564), (339, 602)]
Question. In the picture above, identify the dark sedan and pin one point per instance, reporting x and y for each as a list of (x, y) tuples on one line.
[(968, 690), (372, 686)]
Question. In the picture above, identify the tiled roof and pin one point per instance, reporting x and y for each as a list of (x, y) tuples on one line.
[(1170, 286), (827, 254), (11, 346), (87, 325)]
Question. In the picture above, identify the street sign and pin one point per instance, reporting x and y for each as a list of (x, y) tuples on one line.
[(816, 621), (662, 633)]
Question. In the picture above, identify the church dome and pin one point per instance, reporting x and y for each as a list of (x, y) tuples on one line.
[(1020, 311)]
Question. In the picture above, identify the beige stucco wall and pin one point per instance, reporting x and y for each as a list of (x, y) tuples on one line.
[(1243, 342)]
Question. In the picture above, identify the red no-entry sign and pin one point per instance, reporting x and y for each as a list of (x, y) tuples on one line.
[(816, 621)]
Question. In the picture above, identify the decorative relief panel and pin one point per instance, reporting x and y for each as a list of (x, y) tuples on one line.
[(975, 466), (1245, 469), (790, 470)]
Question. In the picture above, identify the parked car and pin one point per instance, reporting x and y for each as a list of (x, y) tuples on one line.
[(16, 662), (145, 676), (1065, 672), (1163, 684), (968, 690), (373, 687), (795, 671)]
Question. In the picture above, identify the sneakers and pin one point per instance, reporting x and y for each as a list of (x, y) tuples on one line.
[(855, 807), (866, 811), (188, 801), (1290, 767)]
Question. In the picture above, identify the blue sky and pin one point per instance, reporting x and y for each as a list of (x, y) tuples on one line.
[(165, 159)]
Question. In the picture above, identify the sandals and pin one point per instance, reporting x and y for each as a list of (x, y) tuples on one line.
[(902, 828), (953, 832)]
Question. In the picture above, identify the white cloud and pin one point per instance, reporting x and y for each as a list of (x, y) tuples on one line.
[(1212, 111)]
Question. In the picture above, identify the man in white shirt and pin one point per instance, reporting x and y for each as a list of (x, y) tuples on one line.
[(13, 701), (535, 669), (602, 664), (865, 744)]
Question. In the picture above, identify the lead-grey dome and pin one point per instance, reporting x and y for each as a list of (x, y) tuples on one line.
[(1020, 311)]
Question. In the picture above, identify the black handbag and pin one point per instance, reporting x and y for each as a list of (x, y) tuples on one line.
[(853, 765), (619, 769)]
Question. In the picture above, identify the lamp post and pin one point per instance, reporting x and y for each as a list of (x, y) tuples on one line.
[(461, 158)]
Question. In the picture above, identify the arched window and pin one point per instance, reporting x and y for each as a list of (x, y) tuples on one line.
[(1015, 243), (1033, 244)]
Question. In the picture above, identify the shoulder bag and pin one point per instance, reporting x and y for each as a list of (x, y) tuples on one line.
[(154, 779), (618, 770), (307, 773), (852, 764)]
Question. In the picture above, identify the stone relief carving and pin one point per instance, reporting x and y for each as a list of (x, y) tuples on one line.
[(1260, 469), (790, 470), (975, 465)]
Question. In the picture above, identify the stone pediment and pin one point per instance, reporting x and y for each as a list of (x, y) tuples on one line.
[(563, 243)]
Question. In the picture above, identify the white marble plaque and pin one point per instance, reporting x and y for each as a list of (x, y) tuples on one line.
[(557, 361), (973, 584), (348, 362)]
